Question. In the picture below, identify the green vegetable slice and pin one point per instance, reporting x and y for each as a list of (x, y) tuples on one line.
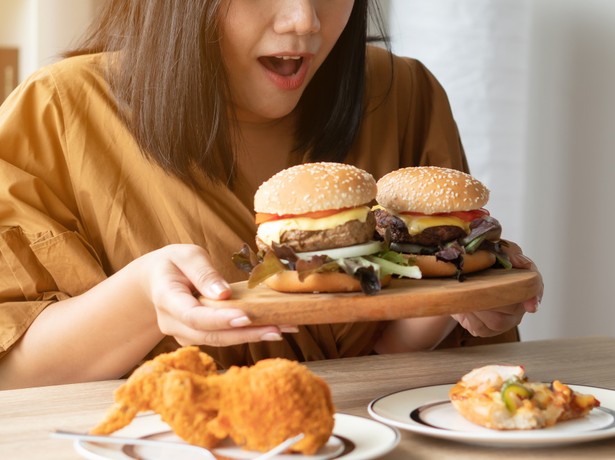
[(388, 267), (513, 393), (269, 266)]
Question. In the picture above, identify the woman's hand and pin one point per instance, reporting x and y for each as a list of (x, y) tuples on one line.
[(498, 320), (174, 274), (118, 321)]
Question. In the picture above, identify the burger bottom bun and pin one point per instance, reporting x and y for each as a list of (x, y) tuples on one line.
[(434, 268), (289, 281)]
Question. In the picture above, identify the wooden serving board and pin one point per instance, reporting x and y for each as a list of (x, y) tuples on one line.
[(403, 298)]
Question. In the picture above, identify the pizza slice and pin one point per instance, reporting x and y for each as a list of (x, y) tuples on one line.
[(502, 398)]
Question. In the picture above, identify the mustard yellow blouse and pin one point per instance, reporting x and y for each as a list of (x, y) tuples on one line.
[(78, 200)]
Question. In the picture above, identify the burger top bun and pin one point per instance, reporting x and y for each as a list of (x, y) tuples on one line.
[(430, 190), (314, 187)]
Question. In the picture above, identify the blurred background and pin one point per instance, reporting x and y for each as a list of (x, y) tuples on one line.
[(532, 86)]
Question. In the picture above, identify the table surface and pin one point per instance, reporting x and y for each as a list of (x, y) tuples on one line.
[(27, 416)]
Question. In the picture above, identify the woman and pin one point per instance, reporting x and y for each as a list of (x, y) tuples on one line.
[(128, 171)]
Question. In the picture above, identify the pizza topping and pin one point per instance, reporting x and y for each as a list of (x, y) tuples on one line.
[(492, 376), (513, 393)]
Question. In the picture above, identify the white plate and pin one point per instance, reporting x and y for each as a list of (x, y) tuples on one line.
[(428, 411), (354, 438)]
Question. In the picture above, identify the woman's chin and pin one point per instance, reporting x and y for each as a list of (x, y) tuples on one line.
[(265, 114)]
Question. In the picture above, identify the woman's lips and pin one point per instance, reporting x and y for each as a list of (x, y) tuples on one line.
[(286, 72)]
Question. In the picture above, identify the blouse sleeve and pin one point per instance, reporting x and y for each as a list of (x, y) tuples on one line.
[(44, 254)]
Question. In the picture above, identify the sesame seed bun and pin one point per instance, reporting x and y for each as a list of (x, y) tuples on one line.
[(314, 187), (434, 268), (288, 281), (430, 190)]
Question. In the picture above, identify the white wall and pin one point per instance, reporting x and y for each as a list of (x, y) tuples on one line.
[(42, 28), (17, 31), (571, 154), (532, 85)]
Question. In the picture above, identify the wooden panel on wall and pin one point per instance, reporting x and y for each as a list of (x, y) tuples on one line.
[(9, 58)]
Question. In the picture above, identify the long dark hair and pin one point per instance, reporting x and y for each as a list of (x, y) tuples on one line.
[(171, 79)]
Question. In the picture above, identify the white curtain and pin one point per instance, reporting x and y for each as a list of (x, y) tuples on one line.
[(531, 83)]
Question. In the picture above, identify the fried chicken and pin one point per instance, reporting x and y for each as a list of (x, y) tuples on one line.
[(258, 407), (160, 384), (262, 405)]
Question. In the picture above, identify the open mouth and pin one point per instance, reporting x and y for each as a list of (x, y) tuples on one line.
[(285, 66)]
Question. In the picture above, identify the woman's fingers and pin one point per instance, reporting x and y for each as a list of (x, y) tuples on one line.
[(491, 322), (180, 273), (193, 262), (516, 256), (531, 306), (227, 337), (200, 325), (519, 260)]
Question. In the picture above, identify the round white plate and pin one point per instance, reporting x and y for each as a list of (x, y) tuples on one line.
[(354, 438), (428, 411)]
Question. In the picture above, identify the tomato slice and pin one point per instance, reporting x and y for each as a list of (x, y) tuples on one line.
[(466, 216), (262, 217)]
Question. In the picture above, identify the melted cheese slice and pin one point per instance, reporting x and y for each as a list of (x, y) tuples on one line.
[(271, 231), (416, 224)]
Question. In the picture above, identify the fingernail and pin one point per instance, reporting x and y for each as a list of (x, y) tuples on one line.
[(271, 337), (242, 321), (289, 329), (524, 258), (531, 306), (218, 288)]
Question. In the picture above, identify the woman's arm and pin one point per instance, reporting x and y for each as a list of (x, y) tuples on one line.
[(414, 334), (106, 331)]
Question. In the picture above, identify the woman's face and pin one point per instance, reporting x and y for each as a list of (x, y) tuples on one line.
[(272, 49)]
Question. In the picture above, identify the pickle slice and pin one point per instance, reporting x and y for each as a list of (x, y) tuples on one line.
[(513, 394)]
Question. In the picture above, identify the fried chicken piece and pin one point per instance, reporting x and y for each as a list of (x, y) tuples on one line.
[(258, 407), (262, 405), (145, 389), (189, 403)]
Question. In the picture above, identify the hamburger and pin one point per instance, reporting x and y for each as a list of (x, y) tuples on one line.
[(315, 233), (436, 216)]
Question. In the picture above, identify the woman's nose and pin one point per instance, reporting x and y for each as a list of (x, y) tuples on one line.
[(297, 16)]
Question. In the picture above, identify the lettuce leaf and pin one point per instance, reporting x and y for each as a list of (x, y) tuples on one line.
[(367, 269), (391, 265), (269, 266)]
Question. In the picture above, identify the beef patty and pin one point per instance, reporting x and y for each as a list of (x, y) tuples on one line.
[(431, 236), (348, 234)]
